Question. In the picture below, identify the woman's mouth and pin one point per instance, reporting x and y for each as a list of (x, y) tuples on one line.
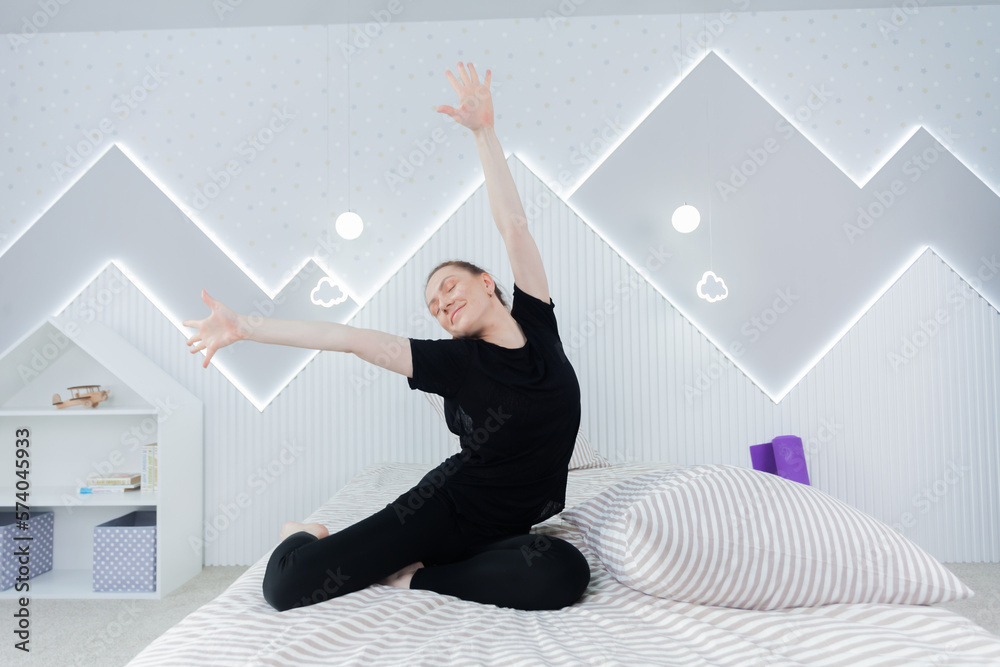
[(455, 313)]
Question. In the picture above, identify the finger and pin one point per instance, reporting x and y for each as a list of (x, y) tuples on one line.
[(198, 348), (444, 108), (208, 358), (473, 75), (193, 339), (206, 298), (489, 77), (454, 82), (463, 73)]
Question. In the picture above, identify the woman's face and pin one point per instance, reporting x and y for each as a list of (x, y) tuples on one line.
[(457, 299)]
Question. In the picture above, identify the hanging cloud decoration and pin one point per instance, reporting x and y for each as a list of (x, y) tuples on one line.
[(712, 288), (331, 295)]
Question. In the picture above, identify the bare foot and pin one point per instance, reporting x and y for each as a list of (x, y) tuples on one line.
[(402, 578), (292, 527)]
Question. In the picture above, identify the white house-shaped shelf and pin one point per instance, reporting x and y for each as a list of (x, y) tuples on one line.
[(144, 406)]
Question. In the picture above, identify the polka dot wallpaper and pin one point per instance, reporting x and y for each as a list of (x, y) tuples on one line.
[(264, 135)]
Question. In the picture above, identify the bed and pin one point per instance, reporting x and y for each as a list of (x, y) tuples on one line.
[(612, 624)]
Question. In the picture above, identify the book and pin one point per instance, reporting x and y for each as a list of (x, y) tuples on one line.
[(112, 486), (108, 489), (114, 479), (149, 469)]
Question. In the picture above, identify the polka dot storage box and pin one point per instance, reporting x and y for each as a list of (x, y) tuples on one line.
[(27, 547), (125, 554)]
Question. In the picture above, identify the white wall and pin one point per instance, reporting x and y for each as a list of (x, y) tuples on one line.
[(879, 433)]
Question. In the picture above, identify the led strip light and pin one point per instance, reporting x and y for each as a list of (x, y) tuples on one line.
[(261, 403)]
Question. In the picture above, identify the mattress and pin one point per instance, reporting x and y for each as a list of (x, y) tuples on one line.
[(610, 625)]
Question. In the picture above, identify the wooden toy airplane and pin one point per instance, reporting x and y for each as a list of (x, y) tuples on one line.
[(87, 394)]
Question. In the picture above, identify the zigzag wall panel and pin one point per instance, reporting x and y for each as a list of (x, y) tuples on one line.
[(899, 419)]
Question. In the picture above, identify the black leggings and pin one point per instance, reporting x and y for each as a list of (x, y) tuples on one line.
[(522, 571)]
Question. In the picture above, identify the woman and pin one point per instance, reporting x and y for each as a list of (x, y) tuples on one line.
[(510, 394)]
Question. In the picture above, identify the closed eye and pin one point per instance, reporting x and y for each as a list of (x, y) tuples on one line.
[(437, 311)]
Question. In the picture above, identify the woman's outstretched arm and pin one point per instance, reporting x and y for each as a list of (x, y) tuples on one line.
[(224, 327), (476, 113)]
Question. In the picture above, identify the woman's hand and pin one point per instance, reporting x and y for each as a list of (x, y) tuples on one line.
[(475, 109), (216, 331)]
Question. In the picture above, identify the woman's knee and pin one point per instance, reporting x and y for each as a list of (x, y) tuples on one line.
[(563, 570), (287, 590), (287, 586)]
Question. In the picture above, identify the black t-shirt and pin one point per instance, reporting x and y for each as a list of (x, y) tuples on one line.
[(517, 414)]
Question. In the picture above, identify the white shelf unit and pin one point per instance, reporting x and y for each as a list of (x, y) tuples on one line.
[(145, 405)]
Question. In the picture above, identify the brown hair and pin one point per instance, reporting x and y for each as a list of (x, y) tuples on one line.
[(471, 268)]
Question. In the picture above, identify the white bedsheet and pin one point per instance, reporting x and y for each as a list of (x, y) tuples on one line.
[(610, 625)]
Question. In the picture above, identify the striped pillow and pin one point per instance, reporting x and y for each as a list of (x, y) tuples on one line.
[(584, 455), (732, 537)]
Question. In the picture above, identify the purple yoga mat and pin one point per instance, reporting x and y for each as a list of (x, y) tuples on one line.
[(789, 458), (762, 457)]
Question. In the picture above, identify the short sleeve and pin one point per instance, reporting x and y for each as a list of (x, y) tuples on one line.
[(534, 310), (439, 366)]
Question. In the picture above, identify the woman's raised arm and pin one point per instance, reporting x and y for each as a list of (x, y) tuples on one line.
[(476, 113)]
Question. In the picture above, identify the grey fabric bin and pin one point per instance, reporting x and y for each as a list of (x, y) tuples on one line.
[(39, 556), (125, 554)]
